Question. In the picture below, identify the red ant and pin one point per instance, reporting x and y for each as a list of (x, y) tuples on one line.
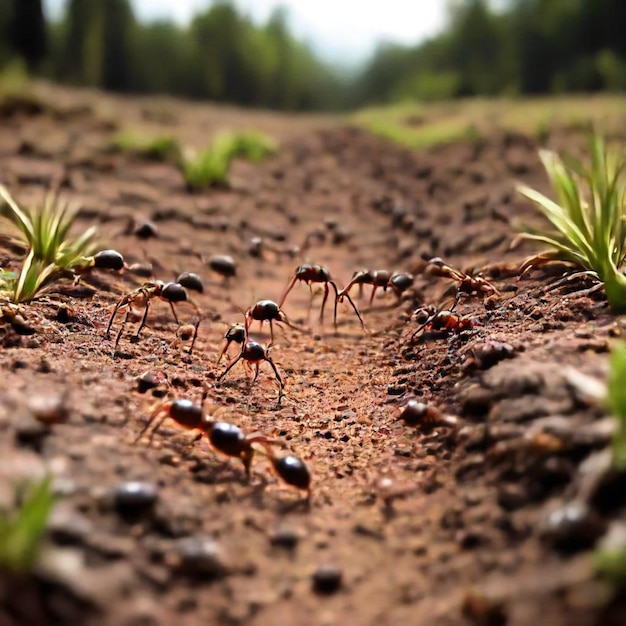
[(442, 320), (228, 439), (397, 282), (266, 311), (253, 352), (310, 273), (172, 293), (467, 284)]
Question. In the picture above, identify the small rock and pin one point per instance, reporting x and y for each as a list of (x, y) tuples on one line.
[(146, 230), (30, 433), (200, 557), (146, 381), (327, 579), (572, 527), (284, 537), (134, 497)]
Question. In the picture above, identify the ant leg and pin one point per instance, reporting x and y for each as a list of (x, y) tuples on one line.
[(356, 311), (121, 330), (256, 373), (174, 313), (162, 412), (374, 288), (281, 385), (143, 319), (120, 303), (224, 349), (195, 336), (292, 282), (230, 366), (326, 290), (334, 285)]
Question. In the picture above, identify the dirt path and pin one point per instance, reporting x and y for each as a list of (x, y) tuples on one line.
[(445, 527)]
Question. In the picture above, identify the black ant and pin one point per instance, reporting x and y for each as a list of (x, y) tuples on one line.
[(310, 273), (466, 283), (236, 333), (253, 352), (223, 437), (230, 440), (172, 293), (397, 282), (266, 311)]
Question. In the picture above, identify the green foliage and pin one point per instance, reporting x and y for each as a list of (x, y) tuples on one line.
[(52, 250), (161, 148), (589, 224), (21, 531), (616, 398), (250, 145), (209, 168)]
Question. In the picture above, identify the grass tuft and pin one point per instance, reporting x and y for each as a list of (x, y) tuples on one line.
[(21, 531), (162, 148), (587, 217), (52, 250), (210, 167)]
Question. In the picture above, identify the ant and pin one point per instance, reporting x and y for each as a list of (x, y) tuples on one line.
[(467, 284), (266, 311), (442, 320), (397, 282), (172, 293), (236, 333), (253, 352), (310, 273), (228, 439)]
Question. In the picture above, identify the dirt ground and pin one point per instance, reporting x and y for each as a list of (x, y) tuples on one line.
[(488, 520)]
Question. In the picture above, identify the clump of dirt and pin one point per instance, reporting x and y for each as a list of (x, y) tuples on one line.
[(486, 518)]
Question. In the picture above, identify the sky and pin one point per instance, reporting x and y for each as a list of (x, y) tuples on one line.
[(342, 31)]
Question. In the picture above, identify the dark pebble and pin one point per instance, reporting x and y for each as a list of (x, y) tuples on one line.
[(284, 538), (145, 382), (134, 497), (327, 579), (146, 230), (30, 433), (200, 557), (572, 527)]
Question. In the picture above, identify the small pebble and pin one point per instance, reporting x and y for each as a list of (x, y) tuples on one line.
[(146, 230), (572, 527), (145, 382), (327, 579), (200, 557), (284, 537), (134, 497)]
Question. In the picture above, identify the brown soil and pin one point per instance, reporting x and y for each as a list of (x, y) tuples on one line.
[(409, 525)]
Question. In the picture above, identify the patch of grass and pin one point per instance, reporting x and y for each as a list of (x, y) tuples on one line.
[(588, 219), (251, 145), (610, 557), (210, 167), (420, 125), (52, 250), (160, 148), (616, 398), (21, 530)]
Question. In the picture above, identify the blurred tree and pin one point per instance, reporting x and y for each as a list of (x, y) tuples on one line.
[(28, 31)]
